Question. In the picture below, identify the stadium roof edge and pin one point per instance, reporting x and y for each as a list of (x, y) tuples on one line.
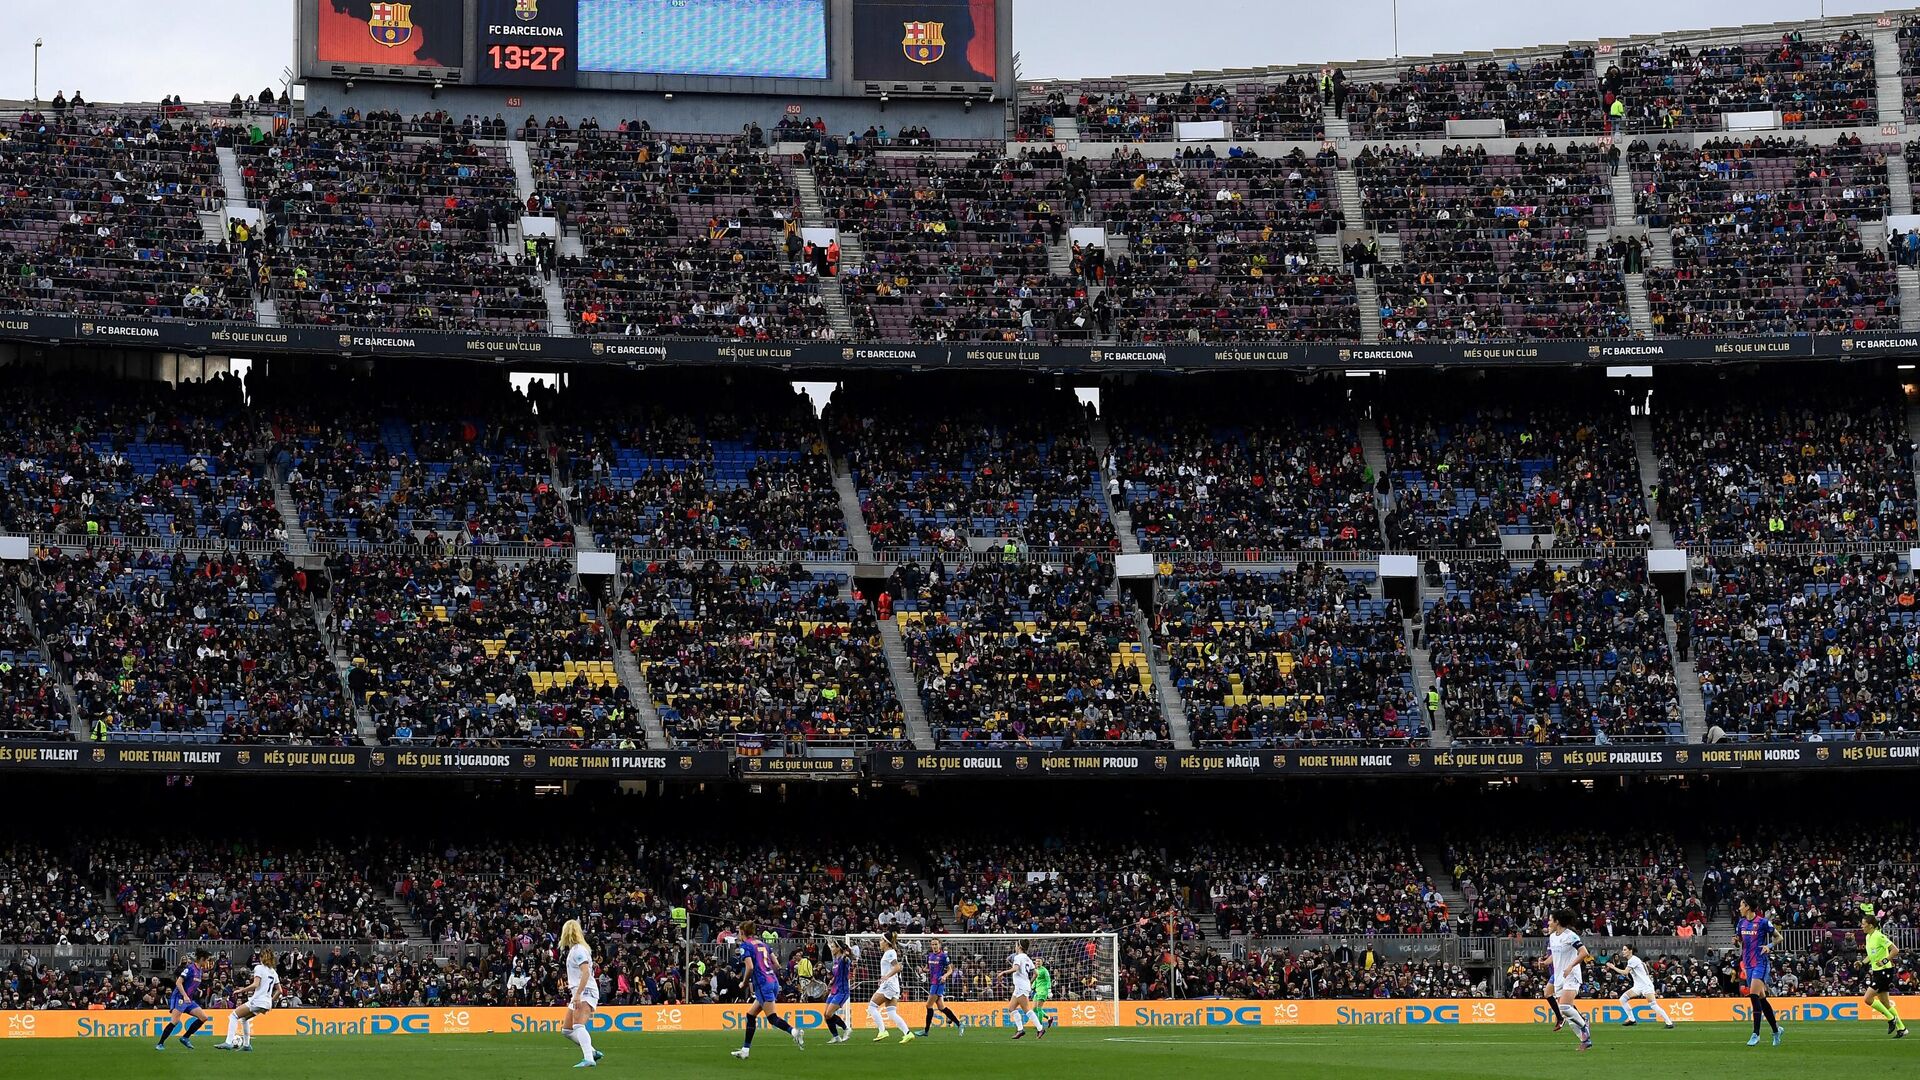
[(1364, 69)]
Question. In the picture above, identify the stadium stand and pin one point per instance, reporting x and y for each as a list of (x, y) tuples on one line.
[(1027, 654), (100, 219), (223, 648), (684, 235), (1234, 468), (1796, 648), (1552, 654), (380, 221), (451, 651), (758, 656), (705, 464), (1302, 656)]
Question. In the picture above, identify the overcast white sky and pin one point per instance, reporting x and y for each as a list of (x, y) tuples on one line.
[(119, 50)]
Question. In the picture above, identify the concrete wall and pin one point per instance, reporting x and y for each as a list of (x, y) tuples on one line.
[(686, 112)]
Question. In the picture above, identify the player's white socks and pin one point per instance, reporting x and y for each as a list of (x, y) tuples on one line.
[(1573, 1016), (879, 1022), (893, 1014), (585, 1040)]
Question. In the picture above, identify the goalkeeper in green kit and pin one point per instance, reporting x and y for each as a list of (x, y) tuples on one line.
[(1042, 990), (1881, 953)]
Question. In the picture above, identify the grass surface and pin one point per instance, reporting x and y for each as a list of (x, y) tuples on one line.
[(1647, 1052)]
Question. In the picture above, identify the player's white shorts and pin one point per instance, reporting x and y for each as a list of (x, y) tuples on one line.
[(1022, 988), (889, 988)]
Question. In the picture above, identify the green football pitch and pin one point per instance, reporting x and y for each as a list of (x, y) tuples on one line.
[(1524, 1053)]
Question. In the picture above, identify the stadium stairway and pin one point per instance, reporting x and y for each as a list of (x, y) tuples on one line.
[(75, 725), (299, 545), (1649, 462), (850, 511), (813, 215), (1352, 209), (1686, 678), (1337, 128), (1173, 707), (214, 225), (1102, 444), (638, 692), (900, 670), (1660, 248), (1367, 293), (1421, 661), (1639, 308), (403, 918), (1886, 71), (1374, 449), (559, 323), (1899, 185), (1435, 866), (1625, 212)]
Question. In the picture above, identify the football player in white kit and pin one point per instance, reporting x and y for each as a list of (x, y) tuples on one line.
[(885, 1003), (1635, 970), (1021, 966), (583, 986), (259, 1002), (1569, 959)]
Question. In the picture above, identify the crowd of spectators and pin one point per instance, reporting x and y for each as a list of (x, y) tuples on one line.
[(1549, 654), (1805, 648), (938, 468), (1363, 884), (1108, 110), (1027, 654), (1817, 464), (450, 651), (110, 459), (1765, 236), (465, 468), (377, 220), (223, 647), (1465, 469), (758, 657), (1212, 470), (101, 218), (1554, 95), (1223, 248), (1620, 884), (1822, 82), (703, 464), (956, 248), (1301, 656), (683, 235)]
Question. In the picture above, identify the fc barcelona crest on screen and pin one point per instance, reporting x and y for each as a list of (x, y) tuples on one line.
[(925, 42), (391, 24), (526, 10)]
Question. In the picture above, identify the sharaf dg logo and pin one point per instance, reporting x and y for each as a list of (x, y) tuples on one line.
[(372, 1024)]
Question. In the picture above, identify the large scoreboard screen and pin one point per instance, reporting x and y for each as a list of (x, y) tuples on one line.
[(548, 42), (528, 42), (823, 47)]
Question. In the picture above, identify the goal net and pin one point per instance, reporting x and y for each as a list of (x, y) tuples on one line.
[(1085, 968)]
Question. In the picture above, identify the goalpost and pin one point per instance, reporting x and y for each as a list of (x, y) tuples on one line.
[(1085, 968)]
